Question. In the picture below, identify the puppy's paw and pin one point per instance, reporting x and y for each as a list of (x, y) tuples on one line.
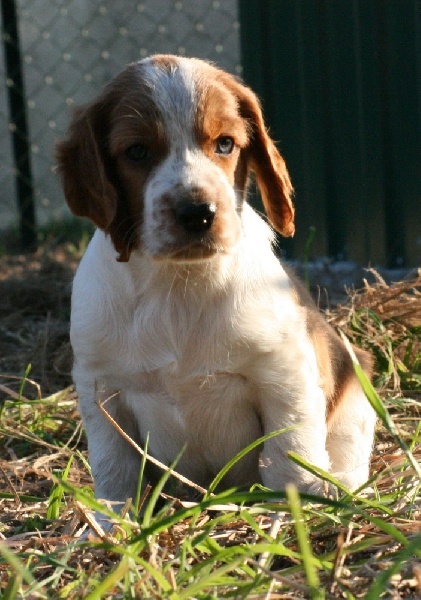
[(100, 526), (353, 481), (322, 488)]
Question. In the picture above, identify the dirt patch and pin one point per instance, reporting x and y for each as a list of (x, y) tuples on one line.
[(34, 316)]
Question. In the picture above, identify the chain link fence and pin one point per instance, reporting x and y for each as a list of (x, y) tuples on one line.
[(71, 48)]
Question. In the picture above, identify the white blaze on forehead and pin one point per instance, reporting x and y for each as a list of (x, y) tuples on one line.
[(175, 94), (177, 86)]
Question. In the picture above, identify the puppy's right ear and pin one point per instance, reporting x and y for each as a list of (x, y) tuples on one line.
[(80, 160)]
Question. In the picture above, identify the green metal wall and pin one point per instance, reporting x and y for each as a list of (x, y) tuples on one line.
[(340, 82)]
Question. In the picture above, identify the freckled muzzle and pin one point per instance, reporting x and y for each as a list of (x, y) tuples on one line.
[(191, 222)]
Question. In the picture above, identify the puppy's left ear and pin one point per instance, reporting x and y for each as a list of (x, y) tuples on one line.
[(268, 165)]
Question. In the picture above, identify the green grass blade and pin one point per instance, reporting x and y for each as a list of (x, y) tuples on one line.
[(22, 497), (316, 593), (228, 555), (110, 581), (156, 492), (131, 558), (216, 481), (388, 528), (89, 501), (10, 592), (23, 382), (384, 415), (331, 479), (157, 575), (16, 565), (379, 407), (325, 475), (141, 476), (211, 579), (383, 525), (57, 493), (84, 462)]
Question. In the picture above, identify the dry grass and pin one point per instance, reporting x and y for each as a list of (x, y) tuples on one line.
[(34, 315), (215, 548), (386, 319)]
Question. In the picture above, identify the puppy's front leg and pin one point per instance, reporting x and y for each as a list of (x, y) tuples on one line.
[(114, 462), (305, 415)]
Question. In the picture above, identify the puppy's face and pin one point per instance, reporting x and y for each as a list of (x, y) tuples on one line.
[(160, 160), (176, 142)]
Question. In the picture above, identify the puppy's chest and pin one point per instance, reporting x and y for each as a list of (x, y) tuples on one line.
[(179, 343), (182, 343), (188, 345)]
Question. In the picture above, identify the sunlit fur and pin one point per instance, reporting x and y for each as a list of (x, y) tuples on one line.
[(200, 341)]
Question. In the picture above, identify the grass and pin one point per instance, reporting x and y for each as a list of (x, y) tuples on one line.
[(256, 544)]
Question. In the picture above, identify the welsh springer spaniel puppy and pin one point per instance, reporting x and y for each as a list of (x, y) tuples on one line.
[(182, 314)]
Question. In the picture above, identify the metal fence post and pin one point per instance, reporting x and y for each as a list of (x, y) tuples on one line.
[(20, 134)]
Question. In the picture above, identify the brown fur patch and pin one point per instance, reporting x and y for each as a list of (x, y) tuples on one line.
[(333, 359), (135, 122), (217, 116), (166, 62)]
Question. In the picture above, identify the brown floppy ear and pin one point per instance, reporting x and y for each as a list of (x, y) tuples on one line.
[(268, 165), (87, 189), (270, 169)]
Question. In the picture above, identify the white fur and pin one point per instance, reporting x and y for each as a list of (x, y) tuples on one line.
[(199, 355)]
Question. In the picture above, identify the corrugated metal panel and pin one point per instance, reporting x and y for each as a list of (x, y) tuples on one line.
[(340, 82)]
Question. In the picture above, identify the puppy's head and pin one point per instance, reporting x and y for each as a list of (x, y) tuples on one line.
[(160, 161)]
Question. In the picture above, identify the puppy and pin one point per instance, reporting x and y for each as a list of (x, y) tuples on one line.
[(181, 312)]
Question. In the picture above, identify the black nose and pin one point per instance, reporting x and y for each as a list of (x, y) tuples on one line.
[(195, 218)]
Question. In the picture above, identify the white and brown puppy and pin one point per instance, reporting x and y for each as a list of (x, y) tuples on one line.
[(181, 310)]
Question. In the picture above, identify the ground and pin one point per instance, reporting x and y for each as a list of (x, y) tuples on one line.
[(355, 544)]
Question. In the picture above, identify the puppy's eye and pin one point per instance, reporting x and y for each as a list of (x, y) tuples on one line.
[(137, 152), (224, 145)]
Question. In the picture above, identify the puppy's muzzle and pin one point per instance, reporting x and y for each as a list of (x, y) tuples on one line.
[(195, 217)]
